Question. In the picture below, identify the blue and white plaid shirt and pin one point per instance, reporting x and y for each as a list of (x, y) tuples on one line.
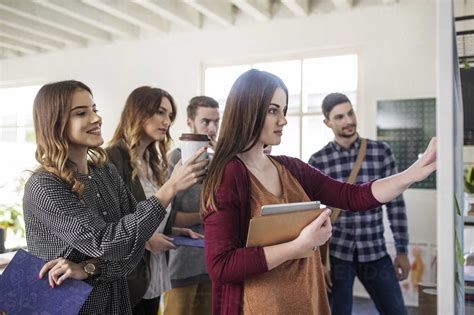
[(363, 230)]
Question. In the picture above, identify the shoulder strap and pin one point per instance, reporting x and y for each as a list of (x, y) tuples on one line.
[(353, 175)]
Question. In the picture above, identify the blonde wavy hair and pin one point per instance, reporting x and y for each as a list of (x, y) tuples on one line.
[(141, 104), (51, 112)]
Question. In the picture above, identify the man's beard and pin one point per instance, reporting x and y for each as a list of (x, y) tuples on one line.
[(347, 135)]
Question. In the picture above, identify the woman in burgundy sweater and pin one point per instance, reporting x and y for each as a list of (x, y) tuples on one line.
[(241, 178)]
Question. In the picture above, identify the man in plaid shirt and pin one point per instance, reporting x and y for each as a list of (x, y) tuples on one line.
[(357, 246)]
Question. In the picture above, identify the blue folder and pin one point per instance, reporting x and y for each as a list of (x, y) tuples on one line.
[(179, 240), (21, 292)]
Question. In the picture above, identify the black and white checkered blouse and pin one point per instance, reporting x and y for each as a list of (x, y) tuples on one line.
[(107, 223)]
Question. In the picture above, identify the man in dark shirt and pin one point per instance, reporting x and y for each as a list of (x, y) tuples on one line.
[(357, 246)]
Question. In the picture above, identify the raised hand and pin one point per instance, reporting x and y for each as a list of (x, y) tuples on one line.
[(385, 189), (426, 164), (184, 175), (190, 172)]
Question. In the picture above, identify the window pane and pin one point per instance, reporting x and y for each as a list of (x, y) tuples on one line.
[(322, 76), (18, 100), (16, 137), (290, 141), (26, 119), (219, 80), (9, 120), (29, 135), (290, 72), (315, 135), (8, 134)]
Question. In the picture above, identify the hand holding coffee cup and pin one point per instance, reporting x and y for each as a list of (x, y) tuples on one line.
[(189, 172), (191, 143)]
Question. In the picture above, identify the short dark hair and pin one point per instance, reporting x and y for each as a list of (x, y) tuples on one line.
[(200, 101), (331, 100)]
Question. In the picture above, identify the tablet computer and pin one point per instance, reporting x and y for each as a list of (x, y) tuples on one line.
[(289, 207)]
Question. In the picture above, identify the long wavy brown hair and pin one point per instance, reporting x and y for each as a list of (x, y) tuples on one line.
[(141, 104), (242, 123), (51, 112)]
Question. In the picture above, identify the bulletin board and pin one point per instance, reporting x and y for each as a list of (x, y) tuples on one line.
[(407, 126)]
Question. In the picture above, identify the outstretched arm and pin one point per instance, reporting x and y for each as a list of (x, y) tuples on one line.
[(388, 188)]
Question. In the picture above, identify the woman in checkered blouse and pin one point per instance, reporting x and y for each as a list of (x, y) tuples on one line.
[(79, 215)]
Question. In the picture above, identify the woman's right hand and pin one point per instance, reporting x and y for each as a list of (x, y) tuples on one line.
[(184, 175), (313, 235), (316, 233), (190, 172)]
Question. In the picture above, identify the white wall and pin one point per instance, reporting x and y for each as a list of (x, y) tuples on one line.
[(396, 44)]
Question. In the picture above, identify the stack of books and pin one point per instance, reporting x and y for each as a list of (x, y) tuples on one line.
[(469, 288)]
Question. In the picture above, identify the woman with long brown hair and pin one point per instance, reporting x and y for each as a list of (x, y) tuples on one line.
[(139, 150), (79, 215), (242, 178)]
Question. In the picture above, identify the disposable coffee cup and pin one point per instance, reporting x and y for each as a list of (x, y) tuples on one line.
[(191, 143)]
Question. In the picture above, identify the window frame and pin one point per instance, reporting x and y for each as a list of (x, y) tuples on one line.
[(22, 125), (300, 56)]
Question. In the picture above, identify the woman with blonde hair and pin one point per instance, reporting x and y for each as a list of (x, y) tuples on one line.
[(79, 215), (139, 150), (242, 178)]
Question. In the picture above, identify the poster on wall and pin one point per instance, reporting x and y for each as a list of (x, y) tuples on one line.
[(422, 258)]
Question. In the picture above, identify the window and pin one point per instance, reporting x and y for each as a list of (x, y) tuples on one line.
[(17, 142), (308, 80)]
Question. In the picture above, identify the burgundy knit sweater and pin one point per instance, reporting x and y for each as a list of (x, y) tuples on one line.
[(228, 261)]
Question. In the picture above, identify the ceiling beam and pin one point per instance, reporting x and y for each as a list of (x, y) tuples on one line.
[(6, 52), (26, 24), (31, 38), (131, 13), (297, 7), (14, 44), (43, 15), (257, 10), (343, 4), (31, 46), (92, 16), (173, 11), (219, 12)]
